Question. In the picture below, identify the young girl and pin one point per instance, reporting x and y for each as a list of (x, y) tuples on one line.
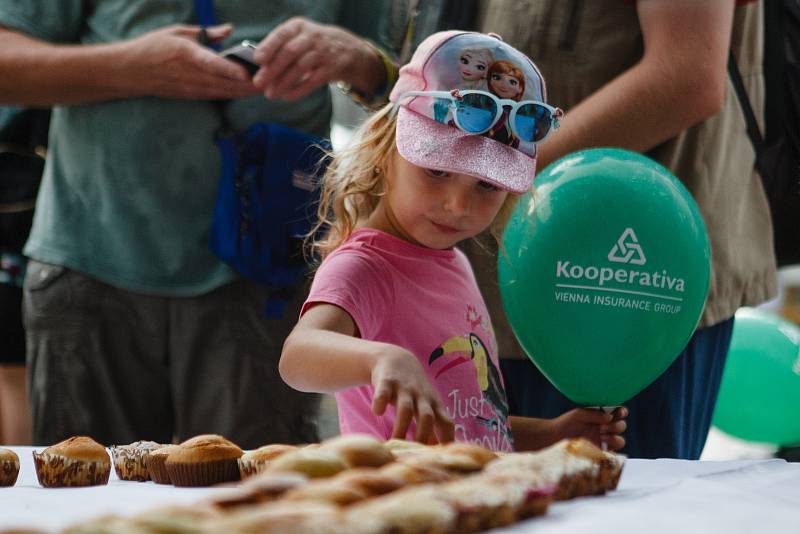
[(395, 323)]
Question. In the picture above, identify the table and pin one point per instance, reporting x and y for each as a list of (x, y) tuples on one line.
[(654, 496)]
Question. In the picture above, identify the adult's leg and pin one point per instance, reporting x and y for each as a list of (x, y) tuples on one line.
[(224, 353), (15, 422), (15, 425), (668, 419), (96, 359)]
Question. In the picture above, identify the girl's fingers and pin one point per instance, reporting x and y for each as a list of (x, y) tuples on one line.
[(425, 418), (382, 397), (445, 430), (405, 413), (617, 427), (614, 442)]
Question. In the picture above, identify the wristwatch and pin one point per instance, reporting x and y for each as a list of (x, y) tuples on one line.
[(381, 96)]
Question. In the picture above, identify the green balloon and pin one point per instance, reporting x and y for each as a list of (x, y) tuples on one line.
[(605, 273), (760, 392)]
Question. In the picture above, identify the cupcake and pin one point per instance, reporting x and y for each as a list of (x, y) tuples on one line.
[(154, 461), (256, 461), (77, 461), (129, 460), (9, 467), (204, 461)]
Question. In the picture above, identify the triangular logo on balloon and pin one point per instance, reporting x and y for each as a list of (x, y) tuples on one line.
[(627, 249)]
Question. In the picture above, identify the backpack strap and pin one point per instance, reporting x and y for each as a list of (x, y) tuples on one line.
[(205, 12), (753, 131)]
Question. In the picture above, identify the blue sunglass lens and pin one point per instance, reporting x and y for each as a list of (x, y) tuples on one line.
[(476, 112), (533, 122)]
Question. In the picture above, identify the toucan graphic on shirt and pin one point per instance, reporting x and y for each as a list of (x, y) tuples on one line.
[(470, 348)]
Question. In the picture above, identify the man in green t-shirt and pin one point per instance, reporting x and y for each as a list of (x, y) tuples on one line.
[(135, 330)]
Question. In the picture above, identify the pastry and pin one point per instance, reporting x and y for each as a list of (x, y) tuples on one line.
[(9, 467), (315, 463), (359, 450), (129, 460), (256, 461), (155, 462), (77, 461), (203, 461)]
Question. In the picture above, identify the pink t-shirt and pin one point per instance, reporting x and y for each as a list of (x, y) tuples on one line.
[(428, 302)]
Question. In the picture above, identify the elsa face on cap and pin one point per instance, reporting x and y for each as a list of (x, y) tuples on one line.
[(473, 63)]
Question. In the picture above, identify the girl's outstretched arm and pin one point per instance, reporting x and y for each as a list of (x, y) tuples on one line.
[(323, 355), (531, 433)]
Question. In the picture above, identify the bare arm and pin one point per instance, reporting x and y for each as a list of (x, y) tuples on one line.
[(531, 433), (322, 355), (168, 63), (679, 82)]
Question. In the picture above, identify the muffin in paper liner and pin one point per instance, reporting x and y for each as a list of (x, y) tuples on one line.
[(9, 467), (204, 461), (155, 463), (77, 461), (203, 474), (129, 460)]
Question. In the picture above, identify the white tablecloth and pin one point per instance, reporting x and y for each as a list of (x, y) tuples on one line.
[(654, 496)]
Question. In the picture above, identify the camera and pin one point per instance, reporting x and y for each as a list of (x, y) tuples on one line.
[(242, 54)]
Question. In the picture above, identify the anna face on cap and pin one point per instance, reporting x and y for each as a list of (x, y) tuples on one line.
[(433, 208), (506, 80)]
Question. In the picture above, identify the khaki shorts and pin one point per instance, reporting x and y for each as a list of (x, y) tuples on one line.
[(121, 366)]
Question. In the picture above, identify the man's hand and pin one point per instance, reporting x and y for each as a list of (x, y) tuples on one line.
[(399, 379), (171, 63), (300, 55), (593, 424)]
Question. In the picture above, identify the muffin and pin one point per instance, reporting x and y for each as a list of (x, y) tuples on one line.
[(9, 467), (77, 461), (129, 460), (154, 461), (359, 450), (256, 461), (204, 461)]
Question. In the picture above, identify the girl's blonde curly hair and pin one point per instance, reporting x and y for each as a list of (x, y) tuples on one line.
[(354, 183)]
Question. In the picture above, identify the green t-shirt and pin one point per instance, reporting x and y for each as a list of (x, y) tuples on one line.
[(130, 185)]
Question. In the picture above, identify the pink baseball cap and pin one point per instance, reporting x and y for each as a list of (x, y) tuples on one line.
[(426, 133)]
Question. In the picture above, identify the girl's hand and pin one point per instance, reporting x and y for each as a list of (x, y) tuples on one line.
[(170, 63), (593, 424), (399, 379)]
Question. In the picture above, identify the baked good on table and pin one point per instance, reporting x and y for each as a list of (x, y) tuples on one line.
[(9, 467), (416, 474), (287, 517), (409, 511), (576, 466), (203, 460), (314, 463), (167, 519), (359, 450), (327, 490), (256, 461), (155, 462), (130, 460), (373, 482), (452, 462), (264, 487), (77, 461)]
